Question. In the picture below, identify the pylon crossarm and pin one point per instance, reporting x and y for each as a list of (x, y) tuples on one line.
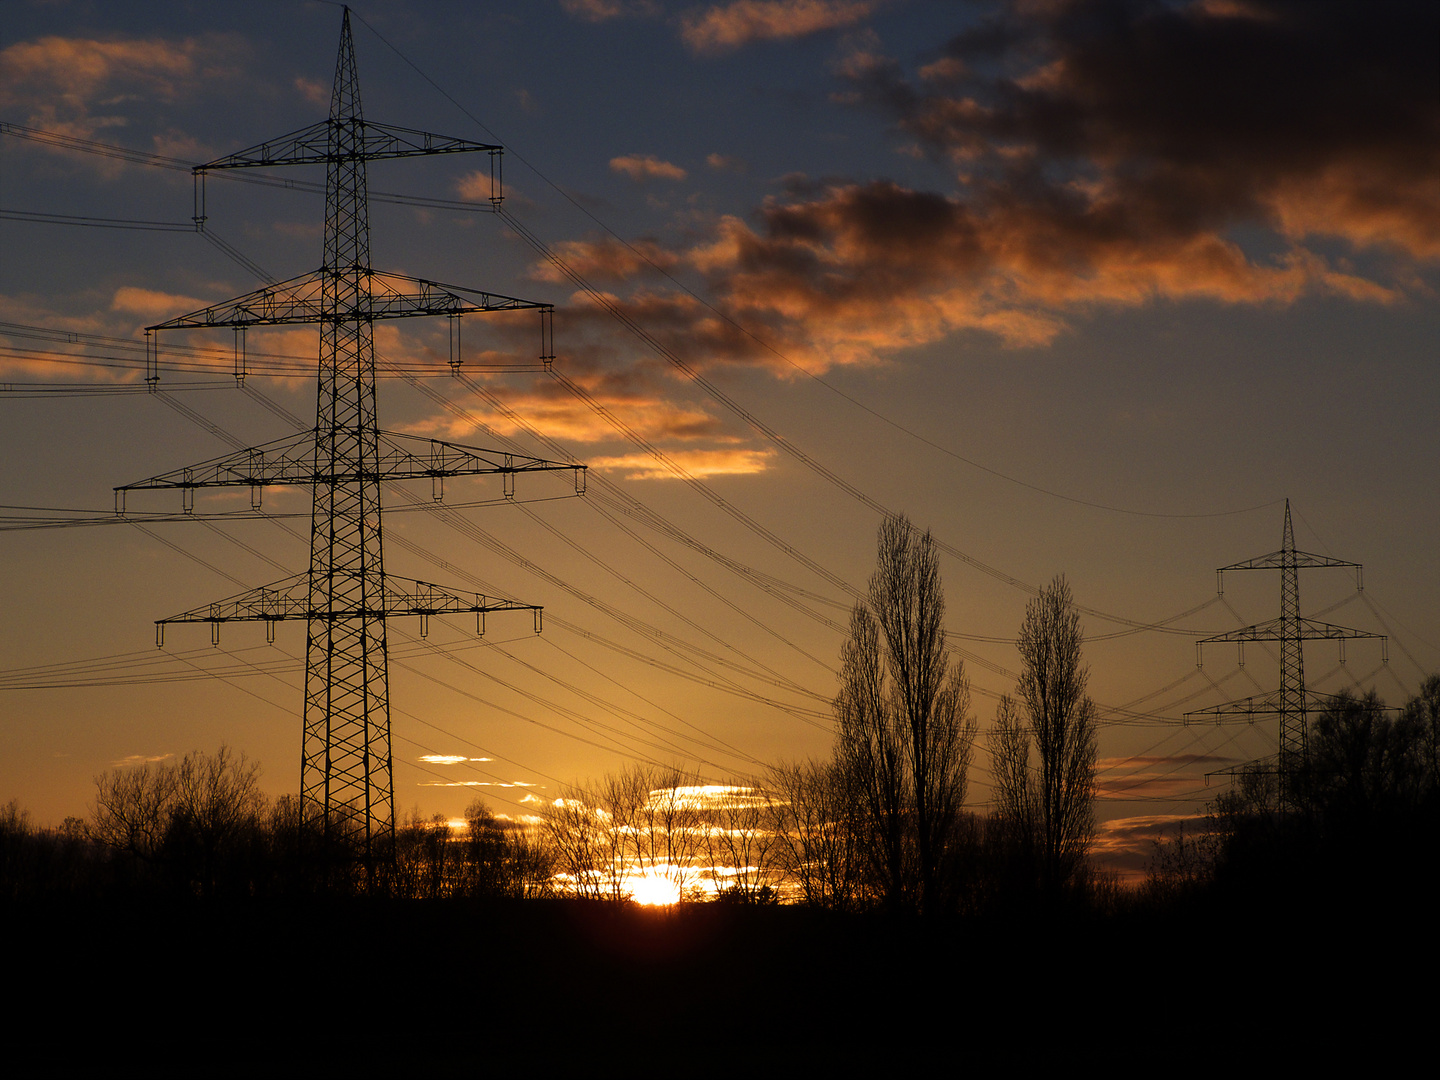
[(301, 300), (290, 460), (1266, 631), (1278, 559), (290, 599), (434, 298), (287, 599), (436, 458), (1311, 630), (425, 598), (313, 146), (1276, 629), (1262, 706), (293, 461)]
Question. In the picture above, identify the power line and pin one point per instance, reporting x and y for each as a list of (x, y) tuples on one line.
[(729, 320)]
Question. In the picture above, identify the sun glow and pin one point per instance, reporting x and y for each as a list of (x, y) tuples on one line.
[(654, 890)]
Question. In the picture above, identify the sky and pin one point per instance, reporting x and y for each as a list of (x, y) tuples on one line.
[(1084, 288)]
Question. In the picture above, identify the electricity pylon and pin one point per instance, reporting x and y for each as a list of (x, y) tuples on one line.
[(1291, 702), (346, 597)]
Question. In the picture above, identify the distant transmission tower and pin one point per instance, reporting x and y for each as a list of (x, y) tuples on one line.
[(1290, 703), (346, 597)]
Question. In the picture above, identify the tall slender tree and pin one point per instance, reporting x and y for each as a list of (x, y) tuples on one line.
[(1061, 721), (905, 727)]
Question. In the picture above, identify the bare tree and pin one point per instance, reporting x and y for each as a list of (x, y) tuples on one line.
[(1061, 720), (905, 728), (871, 756), (501, 858), (635, 823), (665, 828), (192, 816), (217, 806), (132, 809), (816, 831), (1017, 810), (740, 840), (426, 865), (582, 845)]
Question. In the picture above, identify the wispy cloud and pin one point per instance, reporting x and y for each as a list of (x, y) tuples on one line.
[(1156, 776), (642, 404), (741, 22), (149, 303), (1127, 845), (138, 760), (79, 85), (606, 260), (312, 90), (450, 759), (605, 10), (642, 167), (726, 163), (691, 462)]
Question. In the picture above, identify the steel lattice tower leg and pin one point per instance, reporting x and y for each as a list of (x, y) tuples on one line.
[(345, 756), (1292, 660)]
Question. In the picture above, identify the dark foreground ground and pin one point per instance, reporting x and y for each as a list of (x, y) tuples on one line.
[(541, 988)]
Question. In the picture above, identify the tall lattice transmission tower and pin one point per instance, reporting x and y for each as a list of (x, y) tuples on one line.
[(346, 596), (1291, 702)]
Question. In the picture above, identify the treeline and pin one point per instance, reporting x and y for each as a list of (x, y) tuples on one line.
[(200, 827), (1357, 820), (880, 825)]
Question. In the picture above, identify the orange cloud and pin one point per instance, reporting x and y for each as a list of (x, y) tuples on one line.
[(642, 167), (552, 410), (607, 259), (474, 186), (312, 90), (47, 353), (693, 463), (876, 267), (151, 304), (726, 163), (57, 82), (1314, 121), (741, 22), (1364, 203), (1111, 162), (853, 273), (1127, 845), (604, 10)]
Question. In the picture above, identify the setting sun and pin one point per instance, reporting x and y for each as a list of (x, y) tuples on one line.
[(655, 890)]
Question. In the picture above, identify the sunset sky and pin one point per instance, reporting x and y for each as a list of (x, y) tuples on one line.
[(1083, 287)]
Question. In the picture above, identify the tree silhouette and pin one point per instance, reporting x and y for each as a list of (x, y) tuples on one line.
[(1047, 799), (1015, 824), (905, 728), (638, 822), (194, 820), (740, 839), (817, 830), (501, 860)]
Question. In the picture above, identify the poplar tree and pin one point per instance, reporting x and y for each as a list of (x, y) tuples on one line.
[(905, 727)]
